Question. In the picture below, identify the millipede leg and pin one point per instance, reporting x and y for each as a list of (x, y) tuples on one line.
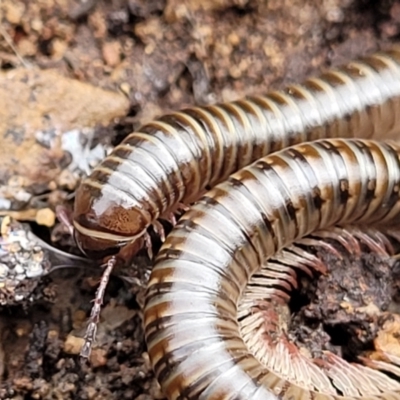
[(159, 229), (65, 217), (149, 245), (172, 218)]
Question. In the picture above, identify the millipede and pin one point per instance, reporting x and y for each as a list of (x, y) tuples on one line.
[(191, 313), (170, 162), (174, 159)]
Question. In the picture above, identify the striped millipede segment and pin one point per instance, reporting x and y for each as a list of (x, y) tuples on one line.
[(176, 158), (191, 322)]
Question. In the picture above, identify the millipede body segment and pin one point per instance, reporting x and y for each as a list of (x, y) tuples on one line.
[(176, 158), (201, 272)]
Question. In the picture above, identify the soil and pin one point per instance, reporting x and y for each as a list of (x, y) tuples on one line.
[(346, 310), (119, 64)]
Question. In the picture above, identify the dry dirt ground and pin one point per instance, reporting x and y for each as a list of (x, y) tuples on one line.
[(76, 77)]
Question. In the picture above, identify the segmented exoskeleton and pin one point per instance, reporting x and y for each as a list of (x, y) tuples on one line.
[(173, 160), (191, 321), (179, 156)]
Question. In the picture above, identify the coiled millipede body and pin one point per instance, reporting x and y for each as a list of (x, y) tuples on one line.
[(191, 314), (176, 158), (173, 160)]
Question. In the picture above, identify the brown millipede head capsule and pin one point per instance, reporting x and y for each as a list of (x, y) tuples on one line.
[(95, 248), (103, 224)]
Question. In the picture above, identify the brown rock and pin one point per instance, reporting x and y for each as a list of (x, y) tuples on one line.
[(36, 103)]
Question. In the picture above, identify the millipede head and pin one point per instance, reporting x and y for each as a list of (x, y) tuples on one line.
[(95, 248), (102, 224)]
